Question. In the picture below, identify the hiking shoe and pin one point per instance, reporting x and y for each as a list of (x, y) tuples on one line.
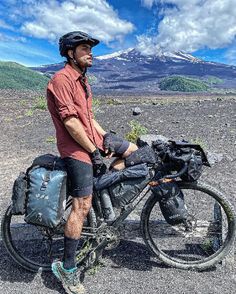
[(69, 278)]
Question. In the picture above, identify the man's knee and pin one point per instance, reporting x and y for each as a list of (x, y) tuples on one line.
[(82, 205), (132, 147)]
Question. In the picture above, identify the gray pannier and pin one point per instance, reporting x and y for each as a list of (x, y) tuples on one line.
[(47, 190)]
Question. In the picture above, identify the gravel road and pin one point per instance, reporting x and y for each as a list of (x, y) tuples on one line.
[(129, 268)]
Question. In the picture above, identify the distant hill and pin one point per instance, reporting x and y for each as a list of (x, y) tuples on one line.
[(183, 84), (131, 72), (19, 77)]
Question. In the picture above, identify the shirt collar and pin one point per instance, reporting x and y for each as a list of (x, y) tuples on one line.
[(72, 72)]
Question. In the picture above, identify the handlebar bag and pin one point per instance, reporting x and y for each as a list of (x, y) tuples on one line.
[(46, 197), (171, 202), (194, 170)]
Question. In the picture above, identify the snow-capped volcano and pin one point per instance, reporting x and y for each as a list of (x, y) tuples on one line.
[(129, 70), (132, 53)]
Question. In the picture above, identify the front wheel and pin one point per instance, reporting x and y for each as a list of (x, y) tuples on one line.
[(33, 247), (207, 242)]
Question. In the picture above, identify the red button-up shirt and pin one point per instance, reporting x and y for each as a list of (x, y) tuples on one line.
[(67, 97)]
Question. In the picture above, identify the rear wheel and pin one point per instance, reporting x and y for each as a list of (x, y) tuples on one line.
[(34, 247), (205, 241)]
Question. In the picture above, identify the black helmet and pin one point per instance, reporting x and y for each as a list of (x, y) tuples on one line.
[(73, 39)]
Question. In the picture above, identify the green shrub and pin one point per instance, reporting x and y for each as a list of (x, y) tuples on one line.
[(182, 84), (29, 112), (136, 131), (40, 103), (51, 140)]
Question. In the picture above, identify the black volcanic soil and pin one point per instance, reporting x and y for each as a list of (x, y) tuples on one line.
[(208, 119)]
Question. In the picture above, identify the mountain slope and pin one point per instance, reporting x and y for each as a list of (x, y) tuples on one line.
[(19, 77), (129, 70)]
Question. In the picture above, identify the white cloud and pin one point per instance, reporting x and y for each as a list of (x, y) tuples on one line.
[(4, 25), (147, 3), (230, 55), (192, 25), (7, 38), (54, 18)]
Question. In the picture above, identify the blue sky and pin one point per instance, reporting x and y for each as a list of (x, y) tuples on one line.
[(29, 30)]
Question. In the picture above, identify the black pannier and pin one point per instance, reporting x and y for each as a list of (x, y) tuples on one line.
[(171, 201), (19, 195)]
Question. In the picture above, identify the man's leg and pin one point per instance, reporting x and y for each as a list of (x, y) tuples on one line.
[(81, 186), (73, 228), (119, 163)]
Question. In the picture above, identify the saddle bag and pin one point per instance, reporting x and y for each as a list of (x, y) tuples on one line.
[(171, 202)]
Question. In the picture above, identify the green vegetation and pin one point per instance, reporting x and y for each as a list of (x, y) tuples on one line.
[(19, 77), (96, 104), (113, 101), (211, 80), (200, 142), (29, 112), (182, 84), (92, 79), (51, 140), (40, 103), (136, 131)]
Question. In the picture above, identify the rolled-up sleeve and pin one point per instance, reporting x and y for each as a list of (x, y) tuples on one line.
[(62, 91)]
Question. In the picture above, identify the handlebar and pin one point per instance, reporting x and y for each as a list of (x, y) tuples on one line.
[(178, 174)]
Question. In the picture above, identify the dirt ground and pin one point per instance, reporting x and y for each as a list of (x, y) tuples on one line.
[(209, 120)]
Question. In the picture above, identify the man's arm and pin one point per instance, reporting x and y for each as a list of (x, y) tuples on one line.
[(98, 128), (77, 132)]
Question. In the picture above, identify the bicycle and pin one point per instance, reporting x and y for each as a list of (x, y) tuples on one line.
[(198, 243)]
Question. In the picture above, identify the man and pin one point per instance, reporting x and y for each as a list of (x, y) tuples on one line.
[(80, 139)]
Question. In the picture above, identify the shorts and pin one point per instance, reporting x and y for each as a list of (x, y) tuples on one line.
[(80, 176), (120, 148)]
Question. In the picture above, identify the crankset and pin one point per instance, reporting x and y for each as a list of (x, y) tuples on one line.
[(109, 234)]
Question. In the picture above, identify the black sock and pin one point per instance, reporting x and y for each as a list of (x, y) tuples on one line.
[(70, 246)]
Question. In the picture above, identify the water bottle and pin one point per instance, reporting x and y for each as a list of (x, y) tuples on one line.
[(107, 208)]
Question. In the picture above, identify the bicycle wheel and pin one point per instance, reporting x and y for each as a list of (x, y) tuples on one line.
[(204, 242), (33, 247)]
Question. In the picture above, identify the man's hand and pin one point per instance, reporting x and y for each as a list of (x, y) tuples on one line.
[(111, 143), (99, 167)]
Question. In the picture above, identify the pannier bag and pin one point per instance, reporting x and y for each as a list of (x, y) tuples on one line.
[(46, 197), (19, 195), (171, 201)]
